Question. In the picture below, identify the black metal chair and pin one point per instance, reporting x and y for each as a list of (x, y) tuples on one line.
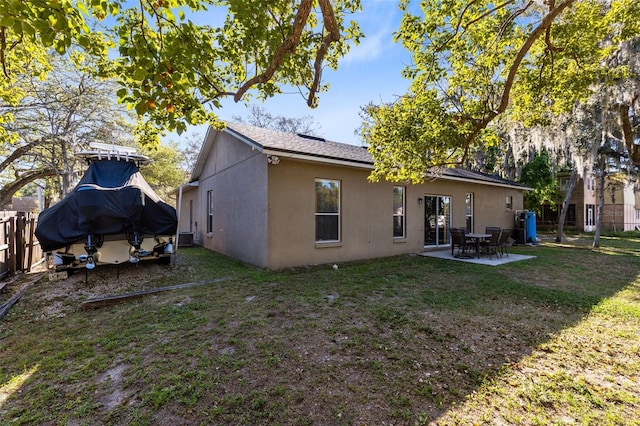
[(458, 240), (504, 241), (490, 246)]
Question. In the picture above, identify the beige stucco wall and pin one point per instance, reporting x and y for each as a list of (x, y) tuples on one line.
[(366, 213), (237, 175), (189, 211), (620, 216), (264, 214)]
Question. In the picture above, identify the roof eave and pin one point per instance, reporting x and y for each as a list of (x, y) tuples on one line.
[(485, 182), (253, 144), (203, 154), (369, 166), (318, 158)]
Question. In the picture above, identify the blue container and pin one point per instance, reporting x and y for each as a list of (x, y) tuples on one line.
[(530, 227)]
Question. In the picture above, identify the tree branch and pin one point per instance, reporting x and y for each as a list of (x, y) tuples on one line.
[(331, 25), (3, 46), (487, 13), (513, 69), (546, 23), (627, 134), (11, 188), (287, 46), (19, 152)]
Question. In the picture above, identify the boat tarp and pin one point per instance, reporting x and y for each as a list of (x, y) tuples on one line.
[(111, 198)]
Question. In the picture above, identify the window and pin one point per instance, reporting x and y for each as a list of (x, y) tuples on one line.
[(398, 211), (508, 202), (327, 210), (469, 211), (209, 212), (562, 183), (591, 208)]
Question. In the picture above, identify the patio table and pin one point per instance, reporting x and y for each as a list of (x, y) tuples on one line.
[(477, 237)]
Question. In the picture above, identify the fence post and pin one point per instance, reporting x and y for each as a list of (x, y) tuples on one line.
[(30, 244), (20, 246), (5, 248), (12, 245)]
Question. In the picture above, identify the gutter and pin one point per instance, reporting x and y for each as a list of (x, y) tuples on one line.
[(369, 166)]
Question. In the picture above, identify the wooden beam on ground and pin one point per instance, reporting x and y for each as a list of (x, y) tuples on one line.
[(3, 284), (112, 299)]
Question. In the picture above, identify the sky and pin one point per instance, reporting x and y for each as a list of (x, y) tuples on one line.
[(370, 72)]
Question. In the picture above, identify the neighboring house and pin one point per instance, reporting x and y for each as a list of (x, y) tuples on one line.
[(276, 200), (621, 210), (23, 204)]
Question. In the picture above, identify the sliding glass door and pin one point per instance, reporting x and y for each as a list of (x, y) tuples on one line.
[(437, 220)]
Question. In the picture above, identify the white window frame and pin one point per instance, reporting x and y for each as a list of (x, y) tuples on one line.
[(468, 201), (440, 219), (209, 212), (562, 183), (508, 204), (399, 211), (590, 215), (337, 213)]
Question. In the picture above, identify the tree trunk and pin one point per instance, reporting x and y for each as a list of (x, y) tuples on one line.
[(614, 218), (599, 210), (565, 203)]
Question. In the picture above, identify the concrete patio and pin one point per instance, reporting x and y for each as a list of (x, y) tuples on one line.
[(483, 260)]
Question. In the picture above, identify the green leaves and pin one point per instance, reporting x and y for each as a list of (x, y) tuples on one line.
[(171, 69), (412, 135), (538, 175), (479, 59)]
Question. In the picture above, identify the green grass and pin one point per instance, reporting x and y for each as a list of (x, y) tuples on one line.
[(402, 340)]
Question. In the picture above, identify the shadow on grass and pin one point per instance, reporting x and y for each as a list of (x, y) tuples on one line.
[(398, 340)]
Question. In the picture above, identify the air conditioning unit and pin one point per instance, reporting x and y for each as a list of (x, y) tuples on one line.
[(185, 239)]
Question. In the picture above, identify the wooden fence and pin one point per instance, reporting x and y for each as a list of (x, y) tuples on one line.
[(19, 248)]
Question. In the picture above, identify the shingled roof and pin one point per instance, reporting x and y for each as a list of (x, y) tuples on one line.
[(313, 148), (274, 140)]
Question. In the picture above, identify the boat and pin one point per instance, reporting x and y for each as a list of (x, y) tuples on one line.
[(112, 216)]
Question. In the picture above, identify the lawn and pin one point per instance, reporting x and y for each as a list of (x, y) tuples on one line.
[(405, 340)]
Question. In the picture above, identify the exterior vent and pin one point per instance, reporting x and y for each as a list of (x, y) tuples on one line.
[(313, 138)]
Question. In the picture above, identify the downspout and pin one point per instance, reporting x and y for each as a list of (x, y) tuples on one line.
[(176, 241)]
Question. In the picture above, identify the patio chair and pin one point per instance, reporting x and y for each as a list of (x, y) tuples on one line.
[(458, 240), (490, 246), (504, 241)]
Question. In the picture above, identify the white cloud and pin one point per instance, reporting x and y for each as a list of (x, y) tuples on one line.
[(378, 21), (370, 48)]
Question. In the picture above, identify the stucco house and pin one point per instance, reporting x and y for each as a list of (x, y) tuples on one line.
[(275, 200), (621, 210)]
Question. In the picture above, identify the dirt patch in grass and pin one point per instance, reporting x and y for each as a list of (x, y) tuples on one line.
[(404, 340)]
